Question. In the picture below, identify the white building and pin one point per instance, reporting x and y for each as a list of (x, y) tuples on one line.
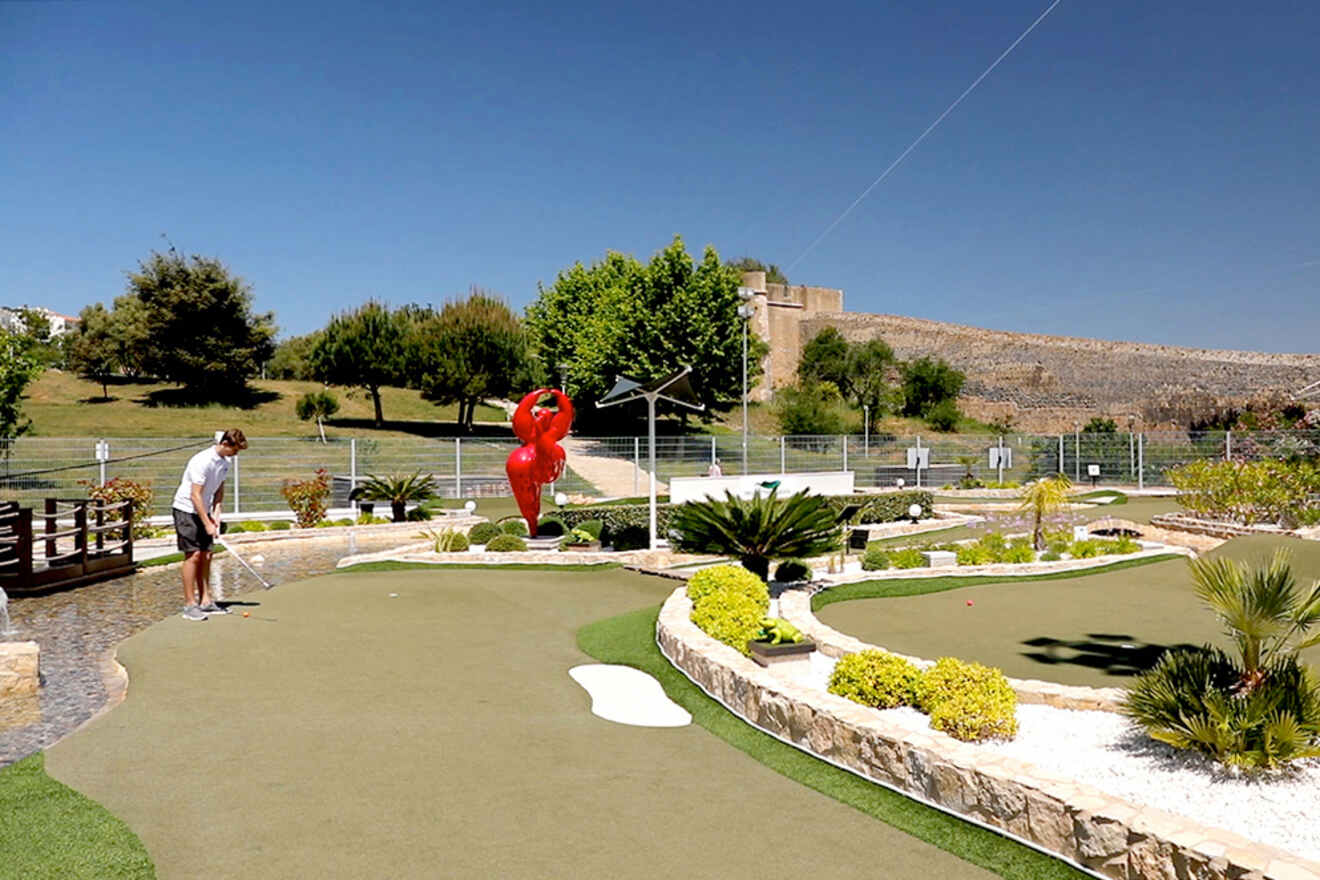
[(11, 319)]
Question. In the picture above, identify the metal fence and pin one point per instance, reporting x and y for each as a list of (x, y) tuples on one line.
[(32, 468)]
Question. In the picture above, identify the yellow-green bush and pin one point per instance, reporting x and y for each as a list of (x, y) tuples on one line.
[(1019, 552), (875, 678), (907, 557), (1087, 548), (729, 578), (967, 701), (730, 616)]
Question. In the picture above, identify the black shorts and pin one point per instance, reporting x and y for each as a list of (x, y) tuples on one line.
[(192, 534)]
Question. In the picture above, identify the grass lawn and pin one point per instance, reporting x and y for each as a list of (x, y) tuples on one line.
[(1095, 628), (48, 831), (63, 405)]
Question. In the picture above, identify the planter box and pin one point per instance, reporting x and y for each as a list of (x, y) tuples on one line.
[(767, 654), (592, 547)]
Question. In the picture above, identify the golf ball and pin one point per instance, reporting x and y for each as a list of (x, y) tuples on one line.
[(969, 603), (245, 614)]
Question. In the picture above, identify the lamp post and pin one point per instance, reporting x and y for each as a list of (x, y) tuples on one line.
[(866, 430), (745, 311)]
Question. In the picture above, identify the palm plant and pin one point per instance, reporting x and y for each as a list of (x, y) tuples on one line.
[(1261, 608), (397, 489), (757, 529), (1042, 498), (1259, 709)]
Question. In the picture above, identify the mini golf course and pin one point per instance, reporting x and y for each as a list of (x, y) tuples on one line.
[(343, 732)]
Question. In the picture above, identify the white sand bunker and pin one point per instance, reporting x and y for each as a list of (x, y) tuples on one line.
[(628, 696)]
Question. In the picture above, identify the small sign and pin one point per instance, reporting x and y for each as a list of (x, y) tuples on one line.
[(102, 450), (1093, 470), (858, 539), (1001, 455), (918, 458)]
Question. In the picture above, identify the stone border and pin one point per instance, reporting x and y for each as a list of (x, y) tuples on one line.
[(19, 669), (1103, 835)]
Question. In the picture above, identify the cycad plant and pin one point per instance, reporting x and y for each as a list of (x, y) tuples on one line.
[(1257, 710), (1042, 498), (397, 489), (757, 529)]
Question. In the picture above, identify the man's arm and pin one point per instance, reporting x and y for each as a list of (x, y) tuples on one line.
[(200, 507), (215, 510)]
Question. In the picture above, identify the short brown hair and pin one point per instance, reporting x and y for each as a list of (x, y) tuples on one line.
[(234, 438)]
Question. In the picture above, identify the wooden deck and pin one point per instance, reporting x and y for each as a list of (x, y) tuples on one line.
[(70, 543)]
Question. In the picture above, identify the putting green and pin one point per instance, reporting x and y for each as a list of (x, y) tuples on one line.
[(340, 732), (1095, 630)]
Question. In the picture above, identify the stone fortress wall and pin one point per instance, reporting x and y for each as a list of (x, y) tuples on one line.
[(1044, 383)]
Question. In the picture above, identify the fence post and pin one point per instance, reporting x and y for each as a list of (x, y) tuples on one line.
[(637, 465), (458, 467), (352, 475), (1228, 445), (1000, 456), (783, 461), (1077, 456), (102, 453), (1132, 455), (712, 449), (1141, 461), (918, 462), (1061, 464), (844, 438), (235, 485)]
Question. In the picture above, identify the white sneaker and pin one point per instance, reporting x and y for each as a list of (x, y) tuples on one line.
[(192, 612), (212, 608)]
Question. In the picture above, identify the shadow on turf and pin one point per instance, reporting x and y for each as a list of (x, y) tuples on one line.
[(1117, 654)]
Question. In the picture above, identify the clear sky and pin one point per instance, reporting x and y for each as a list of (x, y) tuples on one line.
[(1133, 170)]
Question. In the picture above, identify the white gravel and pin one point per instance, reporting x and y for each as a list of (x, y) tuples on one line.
[(1108, 752)]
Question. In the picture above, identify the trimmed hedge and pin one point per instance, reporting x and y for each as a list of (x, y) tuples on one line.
[(729, 578), (875, 678), (482, 532), (793, 570), (968, 701), (506, 543)]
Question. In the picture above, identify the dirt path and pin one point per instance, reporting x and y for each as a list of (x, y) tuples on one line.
[(615, 477)]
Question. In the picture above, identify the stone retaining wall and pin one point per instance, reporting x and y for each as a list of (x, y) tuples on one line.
[(1106, 836)]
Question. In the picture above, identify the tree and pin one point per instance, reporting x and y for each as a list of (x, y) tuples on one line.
[(1042, 498), (363, 348), (928, 381), (292, 358), (807, 409), (620, 317), (18, 367), (131, 334), (398, 490), (1098, 425), (318, 405), (773, 274), (758, 529), (943, 416), (198, 326), (868, 364), (825, 359), (472, 349), (94, 351)]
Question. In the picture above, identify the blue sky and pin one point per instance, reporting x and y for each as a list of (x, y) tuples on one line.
[(1132, 170)]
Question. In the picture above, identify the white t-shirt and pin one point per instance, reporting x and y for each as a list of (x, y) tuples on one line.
[(209, 468)]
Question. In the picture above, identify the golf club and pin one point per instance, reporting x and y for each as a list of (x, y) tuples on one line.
[(223, 543)]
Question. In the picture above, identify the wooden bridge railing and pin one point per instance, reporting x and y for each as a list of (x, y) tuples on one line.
[(79, 525)]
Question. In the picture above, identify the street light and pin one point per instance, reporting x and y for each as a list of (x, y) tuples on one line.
[(745, 311), (866, 430)]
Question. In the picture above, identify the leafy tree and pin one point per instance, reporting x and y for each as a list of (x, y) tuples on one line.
[(758, 529), (928, 381), (318, 405), (825, 359), (292, 358), (807, 409), (198, 328), (1042, 498), (943, 416), (94, 351), (131, 334), (620, 317), (472, 349), (18, 367), (868, 364), (1098, 425), (363, 348), (773, 274)]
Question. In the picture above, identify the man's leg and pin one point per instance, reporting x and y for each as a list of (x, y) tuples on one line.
[(191, 564), (204, 578)]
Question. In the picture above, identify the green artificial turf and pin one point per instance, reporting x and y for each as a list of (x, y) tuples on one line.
[(629, 639), (896, 587), (48, 830), (391, 565)]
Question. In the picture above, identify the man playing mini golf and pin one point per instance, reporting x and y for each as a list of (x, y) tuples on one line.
[(196, 511)]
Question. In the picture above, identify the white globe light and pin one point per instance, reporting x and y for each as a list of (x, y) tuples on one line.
[(561, 499), (915, 511), (470, 506), (899, 482)]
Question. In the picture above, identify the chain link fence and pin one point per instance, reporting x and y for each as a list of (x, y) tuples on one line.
[(33, 468)]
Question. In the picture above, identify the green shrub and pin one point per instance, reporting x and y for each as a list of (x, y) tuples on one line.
[(975, 554), (119, 489), (727, 578), (506, 543), (1123, 544), (418, 514), (281, 525), (617, 517), (308, 499), (1249, 491), (550, 528), (594, 527), (1192, 699), (344, 522), (482, 532), (791, 570), (630, 538), (513, 526), (1019, 551), (1088, 548), (1050, 556), (967, 701), (730, 616), (875, 559), (875, 678), (446, 540), (907, 557), (1058, 547), (943, 416), (758, 529)]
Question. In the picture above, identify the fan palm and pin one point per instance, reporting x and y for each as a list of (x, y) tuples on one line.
[(397, 489), (1042, 498), (757, 529), (1262, 609)]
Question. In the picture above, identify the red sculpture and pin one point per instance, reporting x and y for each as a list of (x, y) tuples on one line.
[(540, 459)]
